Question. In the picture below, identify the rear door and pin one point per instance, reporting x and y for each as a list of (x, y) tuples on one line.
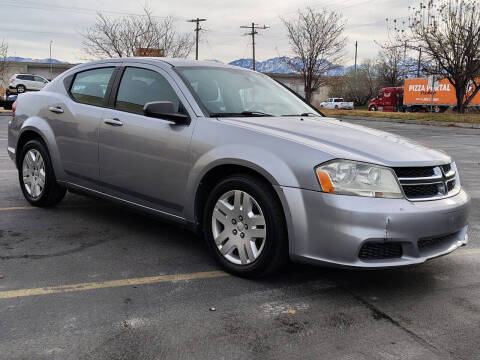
[(142, 159), (30, 82), (75, 119)]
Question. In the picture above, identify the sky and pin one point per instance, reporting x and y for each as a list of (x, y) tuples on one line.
[(28, 26)]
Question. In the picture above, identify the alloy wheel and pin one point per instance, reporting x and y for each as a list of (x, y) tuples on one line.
[(33, 173), (239, 227)]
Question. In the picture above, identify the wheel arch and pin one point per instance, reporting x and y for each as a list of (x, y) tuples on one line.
[(35, 127), (214, 176), (24, 137)]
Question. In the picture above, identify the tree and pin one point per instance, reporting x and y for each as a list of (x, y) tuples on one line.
[(317, 38), (3, 61), (358, 86), (390, 65), (448, 31), (121, 37)]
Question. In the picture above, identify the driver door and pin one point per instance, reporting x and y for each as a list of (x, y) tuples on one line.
[(142, 159)]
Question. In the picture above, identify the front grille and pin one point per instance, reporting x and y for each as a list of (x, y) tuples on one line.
[(427, 243), (414, 172), (420, 191), (427, 182), (376, 251), (450, 185)]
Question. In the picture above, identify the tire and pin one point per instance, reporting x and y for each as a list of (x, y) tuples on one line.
[(336, 107), (21, 89), (372, 108), (30, 175), (269, 252)]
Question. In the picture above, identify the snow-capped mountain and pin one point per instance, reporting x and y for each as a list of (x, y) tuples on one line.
[(21, 59), (280, 65)]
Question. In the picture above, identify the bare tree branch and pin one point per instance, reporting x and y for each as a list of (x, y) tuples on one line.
[(3, 61), (317, 38), (122, 37), (448, 31)]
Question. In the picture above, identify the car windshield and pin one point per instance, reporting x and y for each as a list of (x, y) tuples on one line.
[(230, 92)]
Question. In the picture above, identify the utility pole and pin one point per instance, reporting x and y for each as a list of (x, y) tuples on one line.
[(197, 30), (51, 71), (419, 62), (253, 31), (356, 48)]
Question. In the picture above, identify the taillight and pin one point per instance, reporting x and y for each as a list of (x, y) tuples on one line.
[(12, 80), (14, 107)]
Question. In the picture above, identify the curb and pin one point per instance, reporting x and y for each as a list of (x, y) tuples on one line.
[(416, 122)]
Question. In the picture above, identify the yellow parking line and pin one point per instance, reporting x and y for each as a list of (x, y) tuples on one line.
[(18, 208), (110, 284)]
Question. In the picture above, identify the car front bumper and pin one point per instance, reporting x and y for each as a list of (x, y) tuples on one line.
[(331, 229)]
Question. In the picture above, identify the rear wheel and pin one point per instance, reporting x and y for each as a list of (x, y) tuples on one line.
[(245, 228), (36, 175), (20, 89)]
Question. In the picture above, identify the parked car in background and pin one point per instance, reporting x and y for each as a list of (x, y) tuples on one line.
[(20, 83), (337, 103), (6, 101), (241, 159)]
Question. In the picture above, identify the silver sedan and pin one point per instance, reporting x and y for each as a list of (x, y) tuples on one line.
[(241, 159)]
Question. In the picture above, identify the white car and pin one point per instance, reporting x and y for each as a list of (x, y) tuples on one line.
[(337, 103), (24, 82)]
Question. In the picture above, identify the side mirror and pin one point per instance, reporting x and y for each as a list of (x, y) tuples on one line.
[(165, 110)]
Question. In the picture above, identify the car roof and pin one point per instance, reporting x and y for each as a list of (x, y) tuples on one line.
[(174, 62)]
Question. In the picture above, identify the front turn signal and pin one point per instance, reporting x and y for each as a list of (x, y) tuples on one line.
[(325, 181)]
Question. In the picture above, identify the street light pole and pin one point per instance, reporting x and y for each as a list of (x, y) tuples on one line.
[(51, 72)]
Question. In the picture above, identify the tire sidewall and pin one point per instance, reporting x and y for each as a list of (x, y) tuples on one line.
[(273, 233), (49, 175)]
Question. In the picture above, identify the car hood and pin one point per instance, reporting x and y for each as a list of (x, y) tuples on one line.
[(345, 140)]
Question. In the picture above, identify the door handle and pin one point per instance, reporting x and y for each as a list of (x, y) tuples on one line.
[(113, 122), (56, 109)]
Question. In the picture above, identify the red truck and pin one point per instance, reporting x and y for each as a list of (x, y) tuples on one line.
[(420, 94)]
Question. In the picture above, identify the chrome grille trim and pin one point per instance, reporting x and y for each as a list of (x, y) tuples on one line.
[(422, 188)]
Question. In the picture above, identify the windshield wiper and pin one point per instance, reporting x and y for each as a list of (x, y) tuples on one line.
[(302, 114), (243, 113)]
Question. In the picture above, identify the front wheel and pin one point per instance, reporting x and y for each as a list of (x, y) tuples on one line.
[(372, 108), (36, 175), (244, 227)]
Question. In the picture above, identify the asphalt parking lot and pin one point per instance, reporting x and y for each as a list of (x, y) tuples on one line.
[(92, 280)]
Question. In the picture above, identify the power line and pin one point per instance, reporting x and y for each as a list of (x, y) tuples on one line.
[(75, 10), (253, 31), (197, 31)]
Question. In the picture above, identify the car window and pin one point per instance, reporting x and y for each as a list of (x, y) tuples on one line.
[(24, 77), (140, 86), (338, 100), (231, 91), (39, 79), (90, 86)]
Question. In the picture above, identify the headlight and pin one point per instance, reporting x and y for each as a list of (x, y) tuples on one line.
[(346, 177)]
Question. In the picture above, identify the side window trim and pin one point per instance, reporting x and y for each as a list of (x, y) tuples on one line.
[(107, 92), (116, 86), (112, 95)]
